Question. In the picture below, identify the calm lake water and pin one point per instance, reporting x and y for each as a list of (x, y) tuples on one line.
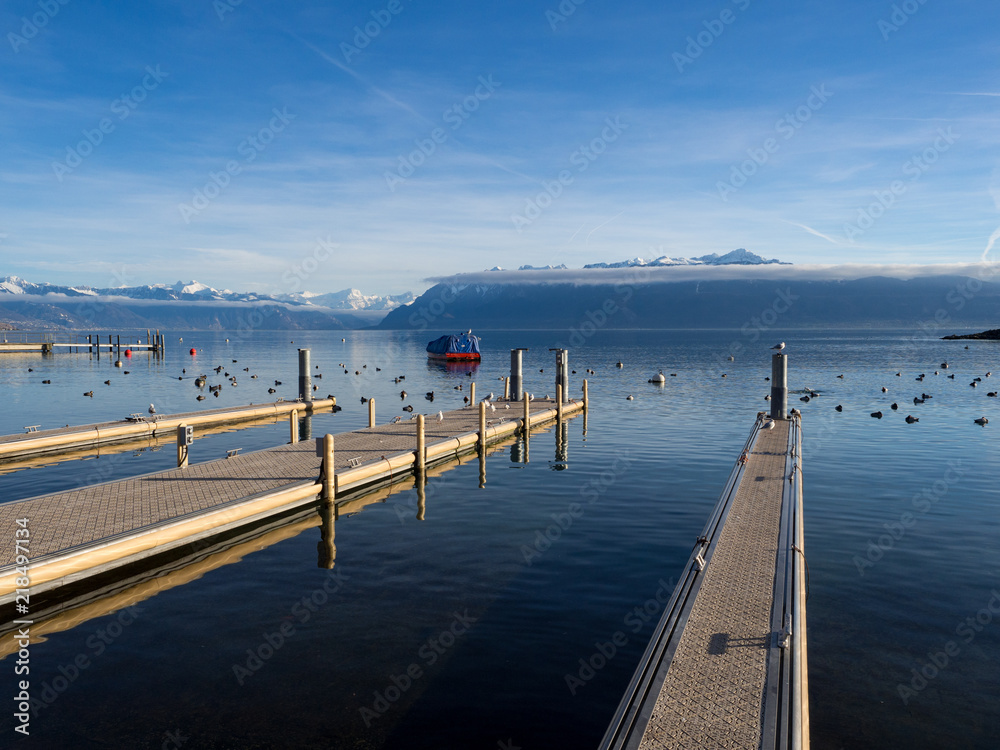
[(459, 630)]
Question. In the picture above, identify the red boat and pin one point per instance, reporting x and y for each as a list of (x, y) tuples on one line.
[(463, 347)]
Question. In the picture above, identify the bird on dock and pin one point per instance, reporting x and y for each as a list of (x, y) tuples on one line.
[(630, 397), (493, 409), (911, 419), (152, 409), (894, 406), (89, 393), (877, 414), (440, 416), (981, 420), (408, 408), (768, 425), (506, 406), (779, 346)]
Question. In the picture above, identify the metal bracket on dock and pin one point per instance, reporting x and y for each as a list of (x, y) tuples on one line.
[(31, 427), (232, 452), (354, 462)]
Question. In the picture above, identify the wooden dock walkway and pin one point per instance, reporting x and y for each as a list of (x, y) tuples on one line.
[(79, 533), (33, 442), (726, 666)]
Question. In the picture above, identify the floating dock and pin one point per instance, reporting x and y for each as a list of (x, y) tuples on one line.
[(81, 533), (26, 341), (726, 665), (35, 441)]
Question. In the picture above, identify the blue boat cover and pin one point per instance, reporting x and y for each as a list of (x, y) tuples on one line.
[(464, 343)]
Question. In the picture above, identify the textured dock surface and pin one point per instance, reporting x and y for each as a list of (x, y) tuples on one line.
[(65, 520), (713, 693)]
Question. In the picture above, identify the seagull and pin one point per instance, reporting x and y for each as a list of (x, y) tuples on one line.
[(768, 425), (779, 347), (440, 416), (152, 409)]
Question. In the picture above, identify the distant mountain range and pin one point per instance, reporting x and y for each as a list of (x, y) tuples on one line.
[(26, 304), (930, 305), (738, 257)]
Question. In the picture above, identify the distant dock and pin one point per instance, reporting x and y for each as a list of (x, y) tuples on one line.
[(78, 534), (47, 342), (726, 666)]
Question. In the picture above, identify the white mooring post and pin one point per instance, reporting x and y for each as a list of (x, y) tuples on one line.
[(779, 386)]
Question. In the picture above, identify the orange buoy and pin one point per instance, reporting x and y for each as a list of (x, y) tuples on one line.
[(194, 351), (128, 352)]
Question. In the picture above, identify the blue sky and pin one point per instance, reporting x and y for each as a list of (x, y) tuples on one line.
[(267, 145)]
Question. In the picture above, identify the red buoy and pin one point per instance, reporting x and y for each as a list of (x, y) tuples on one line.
[(128, 352), (194, 351)]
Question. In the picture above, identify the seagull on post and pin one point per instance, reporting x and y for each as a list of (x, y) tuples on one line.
[(779, 347)]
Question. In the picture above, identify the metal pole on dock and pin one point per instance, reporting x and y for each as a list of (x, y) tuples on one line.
[(559, 403), (371, 412), (293, 425), (527, 414), (516, 378), (779, 386), (185, 436), (421, 446), (329, 474), (562, 369), (482, 426), (305, 377), (472, 395), (506, 388)]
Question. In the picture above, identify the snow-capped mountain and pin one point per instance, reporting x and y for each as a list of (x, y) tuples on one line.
[(348, 299), (351, 299), (740, 257)]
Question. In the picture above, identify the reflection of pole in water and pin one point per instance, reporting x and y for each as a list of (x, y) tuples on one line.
[(326, 549), (517, 452), (482, 467), (421, 495), (562, 442)]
